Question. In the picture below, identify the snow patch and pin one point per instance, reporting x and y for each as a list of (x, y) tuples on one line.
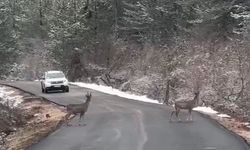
[(210, 111), (206, 110), (112, 91), (246, 124), (6, 97), (224, 116)]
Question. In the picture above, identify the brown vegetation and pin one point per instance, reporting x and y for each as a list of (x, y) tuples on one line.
[(30, 122)]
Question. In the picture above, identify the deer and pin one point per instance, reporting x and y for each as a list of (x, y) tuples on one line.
[(81, 109), (185, 105)]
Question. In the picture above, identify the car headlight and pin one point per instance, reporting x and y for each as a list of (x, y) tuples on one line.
[(65, 81)]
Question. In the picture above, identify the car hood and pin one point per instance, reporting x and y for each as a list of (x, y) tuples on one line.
[(56, 79)]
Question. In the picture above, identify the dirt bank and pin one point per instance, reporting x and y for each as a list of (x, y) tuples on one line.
[(40, 118)]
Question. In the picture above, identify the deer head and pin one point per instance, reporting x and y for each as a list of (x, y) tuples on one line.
[(197, 93), (196, 97), (88, 96)]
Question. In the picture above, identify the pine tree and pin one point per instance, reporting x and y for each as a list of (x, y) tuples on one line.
[(136, 19)]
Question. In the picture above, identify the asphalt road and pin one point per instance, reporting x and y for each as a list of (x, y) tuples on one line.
[(114, 123)]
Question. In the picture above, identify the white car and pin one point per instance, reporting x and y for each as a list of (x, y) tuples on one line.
[(54, 80)]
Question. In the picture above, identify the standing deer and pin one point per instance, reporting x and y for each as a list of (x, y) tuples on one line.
[(80, 109), (186, 105)]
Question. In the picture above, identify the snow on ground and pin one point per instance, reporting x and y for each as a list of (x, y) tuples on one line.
[(112, 91), (224, 115), (206, 110), (210, 111), (6, 97)]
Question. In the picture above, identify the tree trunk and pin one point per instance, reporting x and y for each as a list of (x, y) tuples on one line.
[(167, 93), (13, 8), (40, 13), (116, 19)]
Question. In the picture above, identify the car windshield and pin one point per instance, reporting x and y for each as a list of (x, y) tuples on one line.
[(55, 75)]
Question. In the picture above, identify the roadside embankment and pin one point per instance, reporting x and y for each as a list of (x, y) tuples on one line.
[(25, 119)]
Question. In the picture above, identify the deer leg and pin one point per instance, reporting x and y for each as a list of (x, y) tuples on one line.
[(81, 116), (177, 114), (171, 115), (67, 118), (190, 114)]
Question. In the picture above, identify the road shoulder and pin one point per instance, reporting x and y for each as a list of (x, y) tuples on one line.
[(232, 125)]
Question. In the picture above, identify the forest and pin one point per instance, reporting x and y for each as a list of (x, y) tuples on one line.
[(162, 48)]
